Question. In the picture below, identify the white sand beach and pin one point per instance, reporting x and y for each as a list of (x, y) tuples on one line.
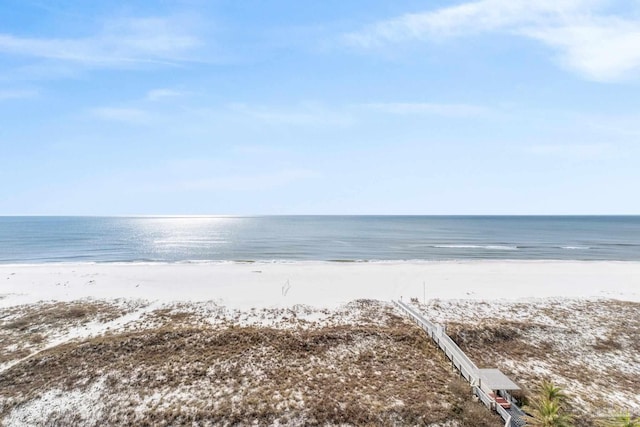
[(528, 318), (319, 284)]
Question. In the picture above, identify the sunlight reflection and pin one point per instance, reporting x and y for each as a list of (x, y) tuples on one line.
[(187, 233)]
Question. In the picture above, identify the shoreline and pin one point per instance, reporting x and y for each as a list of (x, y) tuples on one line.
[(321, 262), (244, 285)]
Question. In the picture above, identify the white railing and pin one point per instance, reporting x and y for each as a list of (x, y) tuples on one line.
[(460, 360), (504, 414), (490, 403), (417, 316), (484, 397), (465, 363), (467, 368)]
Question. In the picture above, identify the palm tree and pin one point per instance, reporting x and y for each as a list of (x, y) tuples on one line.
[(547, 413), (621, 420), (552, 392), (546, 408)]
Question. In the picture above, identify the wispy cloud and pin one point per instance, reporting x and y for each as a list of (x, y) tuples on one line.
[(17, 94), (572, 151), (160, 94), (124, 115), (625, 126), (256, 150), (466, 19), (303, 115), (121, 44), (257, 182), (447, 110), (596, 45), (603, 49)]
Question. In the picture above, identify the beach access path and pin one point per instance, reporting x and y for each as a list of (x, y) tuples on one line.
[(468, 370)]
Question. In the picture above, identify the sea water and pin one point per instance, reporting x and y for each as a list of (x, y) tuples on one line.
[(317, 238)]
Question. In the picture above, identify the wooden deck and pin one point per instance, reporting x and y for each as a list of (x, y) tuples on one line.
[(512, 415)]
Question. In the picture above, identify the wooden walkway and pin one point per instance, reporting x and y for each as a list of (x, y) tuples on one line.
[(468, 370)]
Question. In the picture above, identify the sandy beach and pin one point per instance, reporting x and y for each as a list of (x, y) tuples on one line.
[(319, 284), (274, 343)]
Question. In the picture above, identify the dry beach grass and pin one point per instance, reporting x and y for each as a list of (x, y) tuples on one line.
[(176, 366), (589, 347), (134, 363)]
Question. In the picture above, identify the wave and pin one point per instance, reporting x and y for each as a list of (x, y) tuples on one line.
[(257, 263), (572, 248), (169, 243), (487, 247)]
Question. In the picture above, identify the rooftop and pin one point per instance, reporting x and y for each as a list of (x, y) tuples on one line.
[(496, 380)]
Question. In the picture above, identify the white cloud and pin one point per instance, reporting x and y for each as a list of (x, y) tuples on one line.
[(121, 44), (588, 41), (466, 19), (160, 94), (614, 127), (572, 151), (304, 115), (125, 115), (603, 49), (257, 182), (17, 94), (448, 110), (256, 150)]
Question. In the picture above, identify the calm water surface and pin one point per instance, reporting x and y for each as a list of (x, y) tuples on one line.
[(322, 238)]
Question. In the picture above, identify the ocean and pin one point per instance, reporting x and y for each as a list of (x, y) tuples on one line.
[(317, 238)]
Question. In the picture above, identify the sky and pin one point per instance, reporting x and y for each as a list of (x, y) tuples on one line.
[(319, 107)]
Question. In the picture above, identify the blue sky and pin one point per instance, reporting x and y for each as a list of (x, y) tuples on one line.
[(319, 107)]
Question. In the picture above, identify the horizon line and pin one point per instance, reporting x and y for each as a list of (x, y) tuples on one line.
[(300, 215)]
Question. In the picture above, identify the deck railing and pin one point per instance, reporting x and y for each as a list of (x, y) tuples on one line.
[(484, 397), (504, 414), (458, 358)]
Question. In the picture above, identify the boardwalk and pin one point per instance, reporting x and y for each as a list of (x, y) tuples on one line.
[(468, 370)]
